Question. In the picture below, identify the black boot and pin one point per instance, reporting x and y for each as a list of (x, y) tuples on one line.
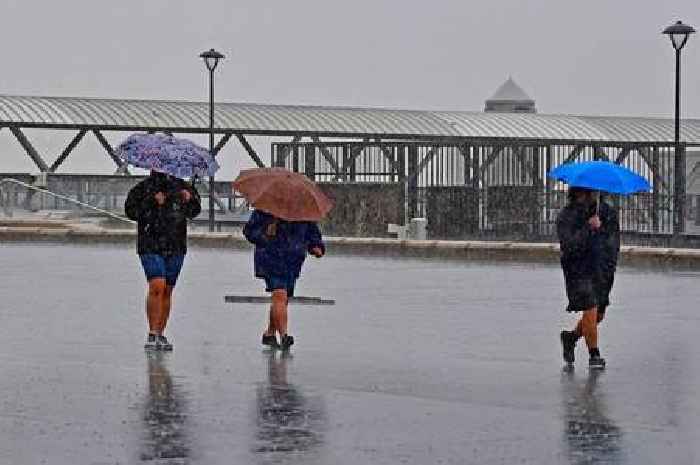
[(568, 344), (270, 341), (596, 362), (286, 342)]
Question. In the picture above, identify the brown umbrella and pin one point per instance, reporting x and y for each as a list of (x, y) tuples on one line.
[(284, 194)]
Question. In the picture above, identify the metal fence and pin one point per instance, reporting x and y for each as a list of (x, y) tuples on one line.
[(498, 189), (81, 194)]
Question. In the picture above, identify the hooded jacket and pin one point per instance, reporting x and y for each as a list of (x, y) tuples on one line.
[(162, 229), (588, 257), (284, 254)]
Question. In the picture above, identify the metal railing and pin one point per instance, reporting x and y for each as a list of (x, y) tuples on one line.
[(8, 203), (499, 189)]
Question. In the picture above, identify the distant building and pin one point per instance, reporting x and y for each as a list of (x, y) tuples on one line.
[(510, 98)]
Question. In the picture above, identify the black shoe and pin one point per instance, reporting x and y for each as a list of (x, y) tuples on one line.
[(151, 343), (596, 363), (270, 341), (286, 342), (568, 344), (162, 343)]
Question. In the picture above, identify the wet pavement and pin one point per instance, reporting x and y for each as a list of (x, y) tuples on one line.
[(420, 362)]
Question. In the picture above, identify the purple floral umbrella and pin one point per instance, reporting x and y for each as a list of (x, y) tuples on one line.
[(181, 158)]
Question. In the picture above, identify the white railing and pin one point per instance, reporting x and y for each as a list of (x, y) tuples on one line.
[(8, 202)]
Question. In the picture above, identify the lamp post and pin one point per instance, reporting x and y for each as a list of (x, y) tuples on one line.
[(678, 33), (211, 59)]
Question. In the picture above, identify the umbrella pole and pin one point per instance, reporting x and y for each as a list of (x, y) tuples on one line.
[(597, 206)]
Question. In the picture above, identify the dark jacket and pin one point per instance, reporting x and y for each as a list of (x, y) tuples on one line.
[(284, 254), (588, 257), (162, 229)]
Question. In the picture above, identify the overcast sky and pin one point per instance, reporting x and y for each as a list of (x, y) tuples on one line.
[(592, 57)]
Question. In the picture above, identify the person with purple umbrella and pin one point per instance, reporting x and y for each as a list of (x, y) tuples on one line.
[(161, 205)]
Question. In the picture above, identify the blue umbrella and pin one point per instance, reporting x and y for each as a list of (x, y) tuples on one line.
[(600, 176), (181, 158)]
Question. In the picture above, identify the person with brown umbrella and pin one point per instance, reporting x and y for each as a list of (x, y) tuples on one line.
[(283, 229)]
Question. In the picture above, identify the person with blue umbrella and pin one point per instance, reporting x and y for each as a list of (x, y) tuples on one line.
[(589, 238)]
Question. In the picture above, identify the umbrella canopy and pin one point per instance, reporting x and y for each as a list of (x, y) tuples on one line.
[(181, 158), (601, 176), (284, 194)]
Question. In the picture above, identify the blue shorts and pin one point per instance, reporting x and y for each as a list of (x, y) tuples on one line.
[(280, 282), (159, 266)]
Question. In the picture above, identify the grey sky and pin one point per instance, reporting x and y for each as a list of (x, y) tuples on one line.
[(593, 57)]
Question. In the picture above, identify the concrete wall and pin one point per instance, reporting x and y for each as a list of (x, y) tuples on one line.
[(452, 212), (363, 209)]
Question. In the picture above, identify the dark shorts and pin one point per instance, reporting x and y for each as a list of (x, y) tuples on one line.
[(159, 266), (280, 282), (586, 293), (581, 294)]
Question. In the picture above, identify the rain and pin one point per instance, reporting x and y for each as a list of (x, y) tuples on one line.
[(248, 234)]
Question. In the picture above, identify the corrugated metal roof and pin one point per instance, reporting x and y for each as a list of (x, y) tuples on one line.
[(67, 112), (237, 117), (568, 127), (522, 126)]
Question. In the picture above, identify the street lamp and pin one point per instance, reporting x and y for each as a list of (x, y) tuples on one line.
[(679, 34), (211, 59)]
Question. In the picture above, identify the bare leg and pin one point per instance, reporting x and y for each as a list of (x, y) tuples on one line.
[(601, 315), (270, 331), (588, 325), (166, 303), (154, 304), (279, 311), (578, 330)]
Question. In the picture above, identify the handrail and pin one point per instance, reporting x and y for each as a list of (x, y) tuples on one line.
[(65, 198)]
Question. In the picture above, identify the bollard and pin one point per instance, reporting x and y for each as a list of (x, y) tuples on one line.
[(418, 229)]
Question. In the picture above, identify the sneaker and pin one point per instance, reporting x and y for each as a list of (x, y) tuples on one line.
[(568, 344), (162, 343), (286, 342), (270, 341), (151, 342), (596, 363)]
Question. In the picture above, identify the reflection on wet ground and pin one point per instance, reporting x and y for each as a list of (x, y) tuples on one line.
[(164, 415), (288, 423), (420, 362), (591, 435)]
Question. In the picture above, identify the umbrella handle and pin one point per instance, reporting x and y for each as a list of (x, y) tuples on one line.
[(271, 228)]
